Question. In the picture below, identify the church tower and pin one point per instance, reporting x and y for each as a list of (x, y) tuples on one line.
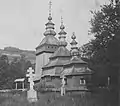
[(52, 70), (47, 46), (76, 70)]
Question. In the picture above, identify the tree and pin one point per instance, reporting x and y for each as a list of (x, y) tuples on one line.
[(5, 77), (105, 24), (4, 58), (11, 71), (105, 47), (86, 50)]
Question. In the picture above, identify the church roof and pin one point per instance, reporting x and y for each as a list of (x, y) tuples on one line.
[(75, 53), (49, 33), (75, 66), (52, 72), (61, 52), (50, 40), (56, 62), (60, 56), (74, 71), (75, 60)]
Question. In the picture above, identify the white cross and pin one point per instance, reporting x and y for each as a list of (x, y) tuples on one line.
[(31, 76), (63, 81), (50, 5), (108, 81), (63, 86)]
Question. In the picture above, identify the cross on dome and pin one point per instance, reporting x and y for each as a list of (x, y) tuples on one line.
[(50, 6), (62, 26), (62, 34), (61, 20)]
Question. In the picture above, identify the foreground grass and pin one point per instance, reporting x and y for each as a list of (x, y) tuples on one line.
[(101, 98)]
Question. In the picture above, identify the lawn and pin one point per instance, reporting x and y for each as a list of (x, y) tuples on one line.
[(99, 98)]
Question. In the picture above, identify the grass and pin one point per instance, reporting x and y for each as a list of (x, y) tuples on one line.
[(100, 98)]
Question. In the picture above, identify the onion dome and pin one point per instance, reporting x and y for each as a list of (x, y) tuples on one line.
[(62, 34), (75, 66), (74, 48), (50, 17), (49, 25), (49, 34), (49, 40)]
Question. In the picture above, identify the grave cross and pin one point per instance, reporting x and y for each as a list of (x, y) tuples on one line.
[(63, 86), (31, 76), (31, 93)]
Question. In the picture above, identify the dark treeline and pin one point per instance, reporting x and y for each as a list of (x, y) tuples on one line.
[(104, 49), (9, 71)]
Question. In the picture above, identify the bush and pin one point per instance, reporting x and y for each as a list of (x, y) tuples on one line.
[(42, 87), (13, 99)]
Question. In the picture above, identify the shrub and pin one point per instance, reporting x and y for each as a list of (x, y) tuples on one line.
[(42, 87)]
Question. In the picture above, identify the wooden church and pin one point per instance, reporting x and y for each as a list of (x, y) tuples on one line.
[(56, 65)]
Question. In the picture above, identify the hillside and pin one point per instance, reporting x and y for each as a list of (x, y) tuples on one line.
[(13, 52)]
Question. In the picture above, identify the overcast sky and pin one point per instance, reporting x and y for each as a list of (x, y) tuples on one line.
[(22, 22)]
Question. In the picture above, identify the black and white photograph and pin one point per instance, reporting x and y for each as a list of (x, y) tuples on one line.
[(59, 52)]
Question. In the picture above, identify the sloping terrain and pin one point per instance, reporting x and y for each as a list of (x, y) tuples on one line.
[(13, 52)]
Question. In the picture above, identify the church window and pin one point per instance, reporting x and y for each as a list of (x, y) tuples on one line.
[(82, 81)]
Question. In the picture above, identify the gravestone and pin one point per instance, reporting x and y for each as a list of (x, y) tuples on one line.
[(31, 93), (63, 86)]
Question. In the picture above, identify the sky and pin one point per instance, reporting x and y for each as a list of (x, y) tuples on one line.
[(22, 22)]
